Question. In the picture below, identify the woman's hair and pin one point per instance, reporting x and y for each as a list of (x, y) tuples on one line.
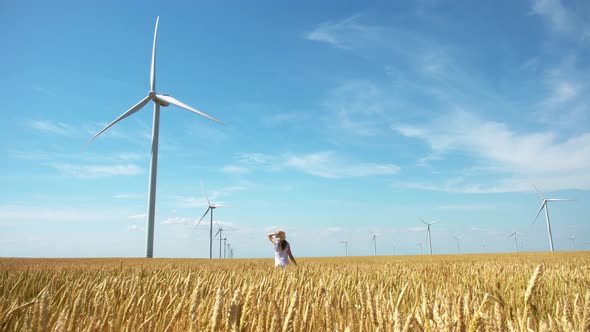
[(283, 244)]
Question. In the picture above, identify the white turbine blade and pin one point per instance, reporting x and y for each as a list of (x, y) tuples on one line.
[(204, 192), (538, 192), (220, 205), (433, 222), (180, 104), (424, 222), (129, 112), (540, 209), (153, 67), (216, 234), (511, 235), (201, 218), (558, 199)]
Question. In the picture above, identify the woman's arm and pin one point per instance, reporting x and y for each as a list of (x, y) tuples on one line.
[(270, 237), (291, 255)]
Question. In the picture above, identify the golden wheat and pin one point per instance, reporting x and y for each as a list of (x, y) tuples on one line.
[(539, 292)]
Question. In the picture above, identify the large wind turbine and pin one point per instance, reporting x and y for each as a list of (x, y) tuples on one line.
[(458, 245), (159, 100), (345, 247), (428, 233), (210, 207), (546, 206), (573, 239), (515, 234)]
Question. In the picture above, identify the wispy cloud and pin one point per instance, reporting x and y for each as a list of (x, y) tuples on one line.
[(235, 169), (346, 33), (178, 220), (52, 127), (14, 213), (522, 156), (97, 171), (135, 228), (328, 165), (138, 216), (127, 196)]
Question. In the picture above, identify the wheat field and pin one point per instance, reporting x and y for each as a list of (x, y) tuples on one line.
[(504, 292)]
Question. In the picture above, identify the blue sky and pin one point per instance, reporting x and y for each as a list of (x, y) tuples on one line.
[(342, 119)]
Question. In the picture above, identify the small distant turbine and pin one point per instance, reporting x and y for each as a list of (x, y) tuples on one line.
[(546, 206), (162, 100), (573, 239), (420, 244), (515, 235), (210, 207), (345, 246), (220, 230), (394, 245), (374, 240), (428, 233), (458, 245)]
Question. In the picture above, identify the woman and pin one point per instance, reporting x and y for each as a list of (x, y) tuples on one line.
[(282, 249)]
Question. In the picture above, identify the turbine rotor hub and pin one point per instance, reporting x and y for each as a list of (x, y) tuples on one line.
[(152, 95)]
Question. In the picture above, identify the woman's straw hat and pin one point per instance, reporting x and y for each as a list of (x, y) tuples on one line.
[(281, 235)]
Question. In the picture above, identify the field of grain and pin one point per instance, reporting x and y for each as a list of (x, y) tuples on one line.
[(523, 292)]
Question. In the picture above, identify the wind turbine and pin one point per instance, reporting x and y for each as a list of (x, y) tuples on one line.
[(163, 100), (374, 240), (420, 244), (394, 245), (428, 233), (210, 207), (221, 238), (515, 235), (546, 206), (458, 245), (573, 239), (345, 246)]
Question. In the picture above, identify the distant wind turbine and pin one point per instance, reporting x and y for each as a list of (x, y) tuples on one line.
[(210, 207), (458, 245), (159, 100), (546, 206), (428, 233), (573, 239), (420, 244), (345, 246), (515, 235), (221, 238), (374, 240)]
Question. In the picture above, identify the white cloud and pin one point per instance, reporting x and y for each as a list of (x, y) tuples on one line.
[(179, 220), (138, 216), (97, 171), (135, 228), (234, 169), (560, 163), (327, 165), (346, 33), (555, 13), (51, 127), (127, 196)]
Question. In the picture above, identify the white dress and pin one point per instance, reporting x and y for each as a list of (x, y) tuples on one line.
[(281, 256)]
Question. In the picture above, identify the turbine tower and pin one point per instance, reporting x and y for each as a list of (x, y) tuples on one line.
[(458, 245), (428, 233), (573, 239), (221, 238), (546, 207), (515, 235), (345, 247), (420, 244), (374, 240), (159, 100), (210, 207)]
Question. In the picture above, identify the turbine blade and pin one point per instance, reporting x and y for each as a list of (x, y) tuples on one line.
[(129, 112), (216, 234), (509, 236), (180, 104), (153, 67), (558, 199), (424, 222), (204, 192), (540, 209), (538, 192), (433, 222), (201, 219)]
